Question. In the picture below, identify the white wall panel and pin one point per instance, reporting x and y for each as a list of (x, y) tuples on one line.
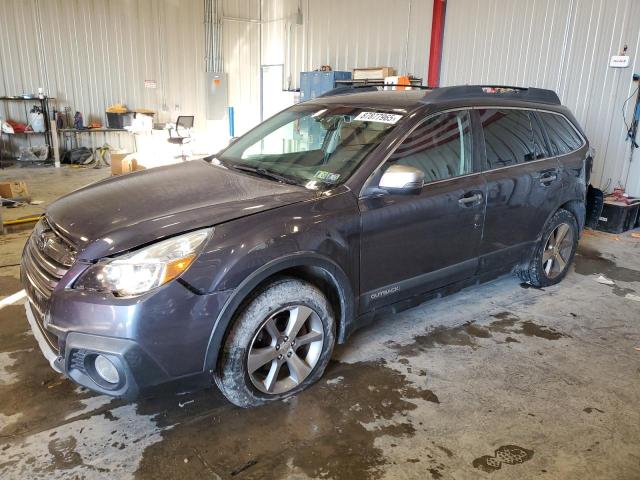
[(328, 32), (241, 40), (564, 45), (90, 54), (361, 33), (93, 53)]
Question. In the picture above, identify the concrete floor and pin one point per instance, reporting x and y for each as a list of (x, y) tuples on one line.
[(498, 381)]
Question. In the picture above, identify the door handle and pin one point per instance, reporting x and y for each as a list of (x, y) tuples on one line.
[(466, 201), (547, 178)]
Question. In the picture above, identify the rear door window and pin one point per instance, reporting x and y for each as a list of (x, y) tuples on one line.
[(562, 136), (441, 147), (510, 138)]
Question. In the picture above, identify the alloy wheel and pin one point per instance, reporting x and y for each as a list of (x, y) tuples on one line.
[(557, 251), (285, 349)]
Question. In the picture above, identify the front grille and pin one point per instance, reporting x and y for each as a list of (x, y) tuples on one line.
[(45, 260), (76, 361)]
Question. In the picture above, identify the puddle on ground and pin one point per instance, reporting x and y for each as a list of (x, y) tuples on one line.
[(328, 431), (461, 336), (531, 329), (467, 335), (33, 396), (591, 262)]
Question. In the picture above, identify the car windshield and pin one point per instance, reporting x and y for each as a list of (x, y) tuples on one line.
[(311, 145)]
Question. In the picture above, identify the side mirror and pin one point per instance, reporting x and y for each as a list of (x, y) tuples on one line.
[(402, 179)]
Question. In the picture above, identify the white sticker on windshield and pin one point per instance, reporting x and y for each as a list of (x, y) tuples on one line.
[(327, 176), (379, 117)]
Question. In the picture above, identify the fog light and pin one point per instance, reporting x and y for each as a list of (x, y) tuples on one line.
[(106, 369)]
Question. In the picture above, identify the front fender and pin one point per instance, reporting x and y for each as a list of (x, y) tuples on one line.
[(321, 233), (302, 259)]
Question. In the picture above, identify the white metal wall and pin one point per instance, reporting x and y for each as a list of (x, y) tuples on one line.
[(362, 33), (564, 45), (93, 53), (241, 39), (328, 32)]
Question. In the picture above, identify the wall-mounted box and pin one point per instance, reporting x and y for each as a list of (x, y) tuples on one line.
[(217, 101)]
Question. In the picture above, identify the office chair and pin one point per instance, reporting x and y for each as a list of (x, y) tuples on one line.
[(183, 127)]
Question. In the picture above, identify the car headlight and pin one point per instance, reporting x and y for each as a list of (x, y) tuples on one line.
[(145, 269)]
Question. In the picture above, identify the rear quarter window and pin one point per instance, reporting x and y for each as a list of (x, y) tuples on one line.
[(562, 136), (510, 138)]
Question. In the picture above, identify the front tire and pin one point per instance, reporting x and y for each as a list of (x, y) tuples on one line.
[(555, 251), (279, 344)]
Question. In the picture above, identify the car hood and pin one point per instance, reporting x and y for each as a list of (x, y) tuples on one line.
[(121, 213)]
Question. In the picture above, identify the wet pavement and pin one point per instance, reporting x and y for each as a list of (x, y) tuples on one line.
[(497, 381)]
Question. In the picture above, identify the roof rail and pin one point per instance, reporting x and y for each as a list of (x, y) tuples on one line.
[(368, 88), (464, 92)]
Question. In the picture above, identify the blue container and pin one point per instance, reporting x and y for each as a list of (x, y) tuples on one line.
[(314, 84)]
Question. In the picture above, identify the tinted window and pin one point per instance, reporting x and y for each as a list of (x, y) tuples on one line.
[(539, 143), (562, 135), (510, 138), (440, 146)]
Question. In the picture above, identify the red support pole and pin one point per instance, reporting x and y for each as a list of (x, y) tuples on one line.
[(437, 36)]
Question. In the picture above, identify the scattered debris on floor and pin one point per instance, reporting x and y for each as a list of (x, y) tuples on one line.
[(631, 296), (335, 381), (604, 280)]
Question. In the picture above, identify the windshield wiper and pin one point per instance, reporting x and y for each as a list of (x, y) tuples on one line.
[(263, 172)]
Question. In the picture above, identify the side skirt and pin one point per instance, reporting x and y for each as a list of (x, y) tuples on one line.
[(416, 300)]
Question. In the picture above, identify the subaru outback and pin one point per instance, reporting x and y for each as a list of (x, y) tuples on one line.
[(249, 266)]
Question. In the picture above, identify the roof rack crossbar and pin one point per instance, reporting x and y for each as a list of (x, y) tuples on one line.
[(344, 90), (465, 92)]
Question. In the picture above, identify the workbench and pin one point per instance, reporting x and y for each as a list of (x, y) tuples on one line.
[(71, 134)]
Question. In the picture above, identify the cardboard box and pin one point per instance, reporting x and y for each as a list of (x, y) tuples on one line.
[(130, 164), (116, 162), (124, 163), (15, 191), (374, 73)]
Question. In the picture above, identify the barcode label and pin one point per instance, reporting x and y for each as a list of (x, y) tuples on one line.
[(379, 117)]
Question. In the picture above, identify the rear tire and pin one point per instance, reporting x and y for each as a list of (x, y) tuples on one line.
[(279, 344), (555, 251)]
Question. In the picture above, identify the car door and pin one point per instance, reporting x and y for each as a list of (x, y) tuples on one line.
[(523, 186), (412, 243)]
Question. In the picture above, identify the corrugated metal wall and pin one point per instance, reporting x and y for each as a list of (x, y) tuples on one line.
[(94, 53), (362, 33), (564, 45), (241, 39), (329, 32)]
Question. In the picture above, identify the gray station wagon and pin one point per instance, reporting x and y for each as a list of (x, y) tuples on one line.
[(247, 267)]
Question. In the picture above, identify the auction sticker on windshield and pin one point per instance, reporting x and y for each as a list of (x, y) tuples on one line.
[(327, 176), (379, 117)]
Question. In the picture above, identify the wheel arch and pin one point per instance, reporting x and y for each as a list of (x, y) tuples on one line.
[(578, 209), (311, 267), (575, 207)]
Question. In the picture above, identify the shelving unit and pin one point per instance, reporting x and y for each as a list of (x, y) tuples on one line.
[(44, 105)]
